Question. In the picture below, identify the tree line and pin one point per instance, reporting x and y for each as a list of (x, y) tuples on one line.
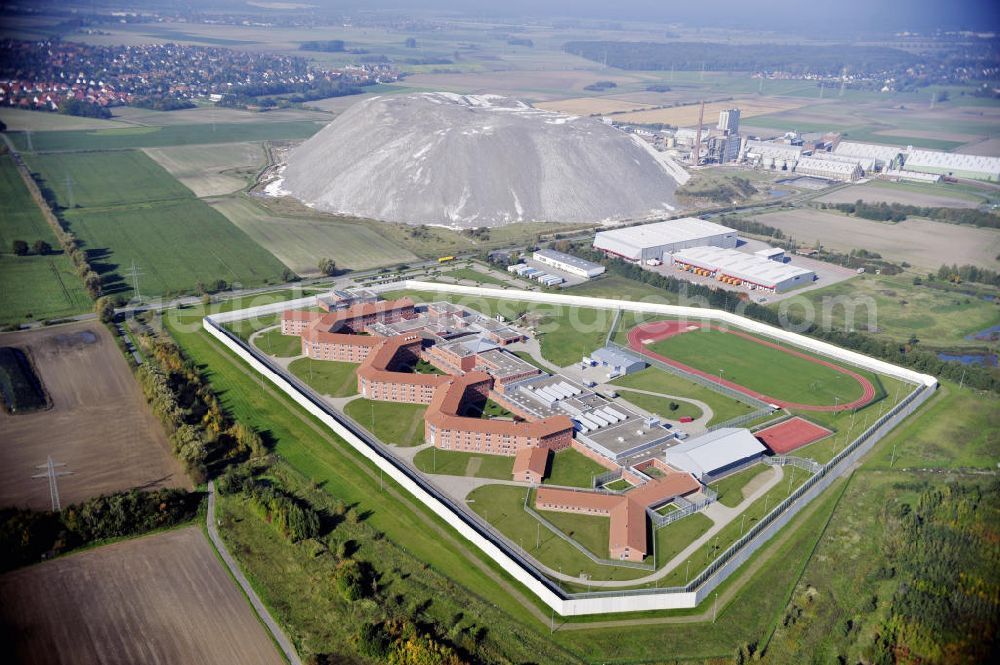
[(968, 273), (907, 354), (898, 212), (28, 535)]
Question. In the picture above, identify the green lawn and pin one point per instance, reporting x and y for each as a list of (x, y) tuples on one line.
[(121, 138), (503, 507), (660, 381), (274, 343), (730, 488), (32, 288), (620, 288), (456, 463), (619, 485), (591, 531), (677, 535), (896, 308), (660, 405), (125, 208), (327, 377), (474, 275), (573, 469), (397, 424), (760, 368)]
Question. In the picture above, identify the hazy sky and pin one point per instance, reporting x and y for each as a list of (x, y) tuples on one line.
[(808, 15)]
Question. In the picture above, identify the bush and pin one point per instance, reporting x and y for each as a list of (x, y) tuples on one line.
[(353, 579), (19, 247)]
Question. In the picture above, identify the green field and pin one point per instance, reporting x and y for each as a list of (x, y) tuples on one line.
[(661, 405), (32, 287), (897, 308), (457, 463), (126, 208), (591, 531), (619, 288), (677, 535), (211, 170), (760, 368), (657, 380), (475, 276), (123, 138), (573, 469), (730, 488), (327, 377), (274, 343), (300, 241), (393, 423), (503, 507)]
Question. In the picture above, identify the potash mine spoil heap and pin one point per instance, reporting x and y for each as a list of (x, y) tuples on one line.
[(470, 161)]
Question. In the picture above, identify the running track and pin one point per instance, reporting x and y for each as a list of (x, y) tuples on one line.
[(643, 334)]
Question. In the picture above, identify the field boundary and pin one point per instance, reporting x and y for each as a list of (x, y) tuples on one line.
[(508, 556)]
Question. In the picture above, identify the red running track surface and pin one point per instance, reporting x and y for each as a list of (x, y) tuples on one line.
[(646, 333), (791, 434)]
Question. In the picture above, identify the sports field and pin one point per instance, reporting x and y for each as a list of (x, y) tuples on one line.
[(123, 138), (760, 368), (164, 598), (300, 241), (125, 207), (790, 435), (32, 287)]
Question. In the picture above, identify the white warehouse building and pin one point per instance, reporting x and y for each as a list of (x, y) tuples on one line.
[(716, 453), (574, 265), (658, 240), (845, 171), (740, 269)]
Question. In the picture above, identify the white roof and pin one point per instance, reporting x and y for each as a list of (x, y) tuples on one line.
[(713, 451), (775, 150), (867, 163), (770, 251), (568, 259), (882, 153), (825, 166), (953, 161), (663, 233), (750, 267)]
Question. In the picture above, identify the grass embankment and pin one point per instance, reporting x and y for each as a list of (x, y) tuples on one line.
[(730, 488), (393, 423), (32, 287), (456, 463), (126, 208), (657, 380), (573, 469), (327, 377)]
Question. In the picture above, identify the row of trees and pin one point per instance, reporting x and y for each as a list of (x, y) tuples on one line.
[(897, 212), (907, 354), (27, 535), (967, 273)]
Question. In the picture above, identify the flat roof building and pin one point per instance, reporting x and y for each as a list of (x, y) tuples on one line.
[(653, 241), (884, 156), (574, 265), (618, 360), (959, 165), (715, 453), (845, 171), (741, 269)]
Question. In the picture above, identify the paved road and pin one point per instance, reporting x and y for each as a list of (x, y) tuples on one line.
[(279, 636)]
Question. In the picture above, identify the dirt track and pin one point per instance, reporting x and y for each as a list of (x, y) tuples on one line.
[(163, 598), (99, 424)]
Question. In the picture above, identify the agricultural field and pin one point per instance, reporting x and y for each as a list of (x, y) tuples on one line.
[(931, 195), (760, 368), (99, 425), (32, 287), (894, 307), (327, 377), (211, 170), (125, 207), (921, 242), (20, 120), (592, 106), (90, 607), (657, 380), (457, 463), (300, 241), (124, 138), (685, 116)]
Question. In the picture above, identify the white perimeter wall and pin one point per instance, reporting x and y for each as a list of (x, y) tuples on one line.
[(628, 601)]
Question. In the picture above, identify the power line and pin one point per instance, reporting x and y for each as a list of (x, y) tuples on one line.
[(51, 474), (134, 273)]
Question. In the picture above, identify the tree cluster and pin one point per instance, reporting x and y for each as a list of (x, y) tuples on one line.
[(39, 247), (84, 109), (968, 273), (26, 535), (163, 103)]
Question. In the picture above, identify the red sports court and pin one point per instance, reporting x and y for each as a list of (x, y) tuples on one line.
[(791, 434)]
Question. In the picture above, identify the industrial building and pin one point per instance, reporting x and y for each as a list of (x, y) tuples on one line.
[(656, 241), (729, 121), (711, 455), (780, 156), (618, 361), (883, 156), (844, 171), (958, 165), (741, 269), (771, 254), (574, 265)]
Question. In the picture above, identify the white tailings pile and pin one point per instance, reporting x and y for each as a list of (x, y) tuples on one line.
[(469, 161)]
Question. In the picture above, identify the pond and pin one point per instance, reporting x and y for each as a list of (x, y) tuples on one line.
[(984, 359)]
